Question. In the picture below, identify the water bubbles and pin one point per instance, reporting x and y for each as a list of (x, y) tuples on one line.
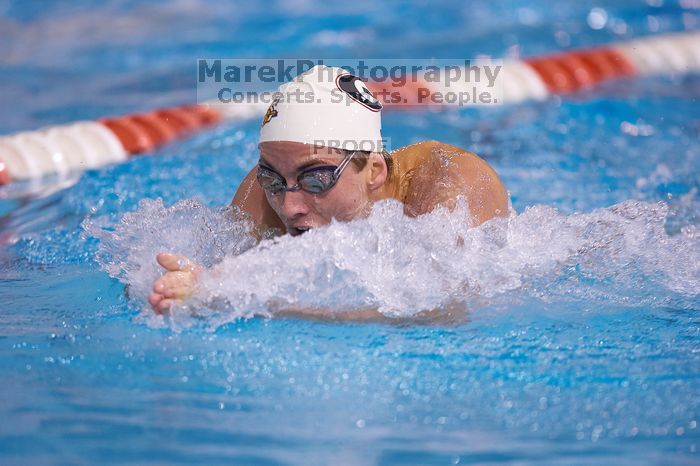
[(528, 16), (653, 23), (639, 129), (562, 38), (596, 433), (597, 18)]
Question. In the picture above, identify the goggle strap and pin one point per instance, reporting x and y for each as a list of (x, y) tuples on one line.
[(343, 164)]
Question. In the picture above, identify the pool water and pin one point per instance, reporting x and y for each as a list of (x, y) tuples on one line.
[(581, 344)]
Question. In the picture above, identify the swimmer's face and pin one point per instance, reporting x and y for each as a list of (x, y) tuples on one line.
[(348, 199)]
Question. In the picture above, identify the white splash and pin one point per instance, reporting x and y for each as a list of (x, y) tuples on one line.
[(401, 266), (127, 249)]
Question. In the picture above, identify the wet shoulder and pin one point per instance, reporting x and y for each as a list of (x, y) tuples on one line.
[(433, 173), (408, 156), (428, 153), (419, 163)]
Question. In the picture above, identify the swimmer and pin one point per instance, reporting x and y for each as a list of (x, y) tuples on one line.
[(326, 159)]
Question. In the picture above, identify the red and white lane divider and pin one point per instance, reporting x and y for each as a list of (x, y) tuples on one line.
[(88, 144), (84, 145), (562, 73)]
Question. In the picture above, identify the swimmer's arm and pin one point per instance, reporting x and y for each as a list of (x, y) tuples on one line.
[(250, 199), (453, 313), (181, 281), (327, 315), (451, 172)]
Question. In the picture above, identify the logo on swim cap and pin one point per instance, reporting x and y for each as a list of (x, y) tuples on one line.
[(358, 91), (271, 111)]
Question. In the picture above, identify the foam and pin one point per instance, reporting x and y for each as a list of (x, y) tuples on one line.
[(127, 249), (401, 266)]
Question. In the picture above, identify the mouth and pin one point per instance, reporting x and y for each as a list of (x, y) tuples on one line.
[(296, 231)]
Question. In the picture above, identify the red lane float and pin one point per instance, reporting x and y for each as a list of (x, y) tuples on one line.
[(4, 175), (83, 145), (144, 131), (134, 136), (573, 71), (408, 94), (158, 130)]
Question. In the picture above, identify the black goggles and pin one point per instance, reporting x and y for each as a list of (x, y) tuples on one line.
[(314, 180)]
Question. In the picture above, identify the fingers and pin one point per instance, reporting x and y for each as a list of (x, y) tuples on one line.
[(174, 262), (165, 305), (160, 304), (175, 285), (154, 299)]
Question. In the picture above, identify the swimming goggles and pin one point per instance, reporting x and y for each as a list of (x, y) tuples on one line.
[(314, 180)]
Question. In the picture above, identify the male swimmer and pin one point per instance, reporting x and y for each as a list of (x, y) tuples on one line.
[(323, 158)]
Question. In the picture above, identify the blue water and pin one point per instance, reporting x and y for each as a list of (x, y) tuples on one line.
[(590, 356)]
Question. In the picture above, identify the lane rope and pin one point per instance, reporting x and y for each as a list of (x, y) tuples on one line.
[(88, 144)]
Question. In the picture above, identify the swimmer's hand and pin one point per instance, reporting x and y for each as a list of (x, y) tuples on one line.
[(178, 283)]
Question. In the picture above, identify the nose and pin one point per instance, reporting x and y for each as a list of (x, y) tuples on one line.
[(294, 204)]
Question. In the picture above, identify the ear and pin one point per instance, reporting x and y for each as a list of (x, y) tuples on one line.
[(378, 172)]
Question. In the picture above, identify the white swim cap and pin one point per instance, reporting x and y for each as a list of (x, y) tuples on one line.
[(325, 106)]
